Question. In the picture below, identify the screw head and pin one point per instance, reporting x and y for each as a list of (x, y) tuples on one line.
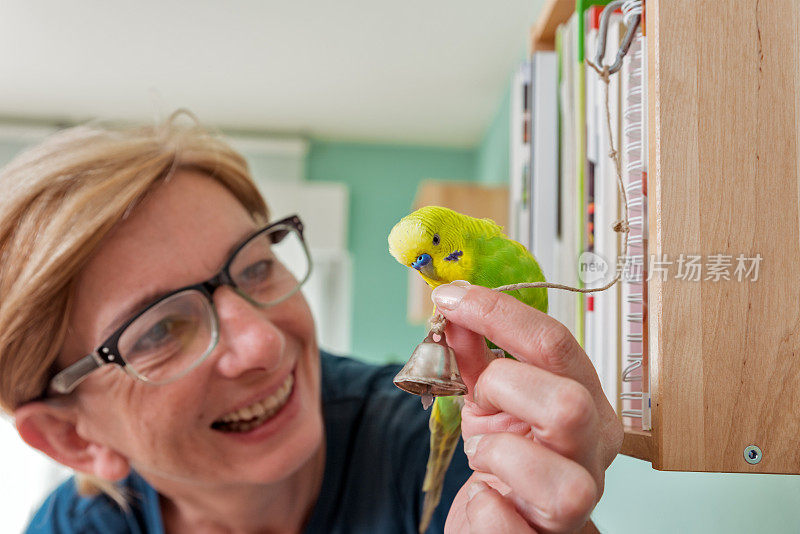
[(752, 454)]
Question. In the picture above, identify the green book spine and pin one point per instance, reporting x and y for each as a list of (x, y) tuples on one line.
[(580, 127), (580, 7)]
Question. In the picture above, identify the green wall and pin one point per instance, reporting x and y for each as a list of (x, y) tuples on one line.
[(637, 498), (382, 181)]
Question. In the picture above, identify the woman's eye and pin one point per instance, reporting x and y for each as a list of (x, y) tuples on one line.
[(435, 239), (256, 272), (159, 334)]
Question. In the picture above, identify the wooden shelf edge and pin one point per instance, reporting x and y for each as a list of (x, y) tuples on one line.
[(638, 444), (543, 32)]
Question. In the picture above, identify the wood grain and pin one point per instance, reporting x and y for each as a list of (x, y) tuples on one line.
[(723, 134)]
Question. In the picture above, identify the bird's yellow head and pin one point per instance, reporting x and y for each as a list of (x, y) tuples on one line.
[(432, 241)]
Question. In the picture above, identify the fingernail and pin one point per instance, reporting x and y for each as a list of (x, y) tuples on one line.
[(475, 393), (448, 296), (471, 444), (475, 488)]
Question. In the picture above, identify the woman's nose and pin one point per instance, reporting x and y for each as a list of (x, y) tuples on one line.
[(248, 340)]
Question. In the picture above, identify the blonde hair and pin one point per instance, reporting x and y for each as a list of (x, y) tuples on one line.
[(58, 201)]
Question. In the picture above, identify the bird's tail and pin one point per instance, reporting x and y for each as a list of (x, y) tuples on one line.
[(445, 425)]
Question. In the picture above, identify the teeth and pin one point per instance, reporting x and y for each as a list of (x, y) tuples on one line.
[(251, 416)]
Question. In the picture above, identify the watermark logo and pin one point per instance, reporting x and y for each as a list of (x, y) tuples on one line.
[(593, 269)]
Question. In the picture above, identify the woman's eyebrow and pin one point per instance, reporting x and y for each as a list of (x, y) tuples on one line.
[(153, 295)]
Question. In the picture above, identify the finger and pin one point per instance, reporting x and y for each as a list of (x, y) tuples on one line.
[(488, 511), (552, 492), (457, 521), (526, 333), (559, 410), (477, 420), (472, 354)]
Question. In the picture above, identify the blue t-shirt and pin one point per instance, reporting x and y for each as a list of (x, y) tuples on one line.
[(377, 449)]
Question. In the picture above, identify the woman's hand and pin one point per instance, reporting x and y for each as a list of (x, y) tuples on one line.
[(538, 431)]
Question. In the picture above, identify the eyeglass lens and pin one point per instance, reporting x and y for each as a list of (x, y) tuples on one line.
[(269, 267), (172, 337)]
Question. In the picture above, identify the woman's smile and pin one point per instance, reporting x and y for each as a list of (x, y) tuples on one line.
[(256, 413), (285, 405)]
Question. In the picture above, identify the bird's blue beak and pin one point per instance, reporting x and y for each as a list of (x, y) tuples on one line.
[(421, 261)]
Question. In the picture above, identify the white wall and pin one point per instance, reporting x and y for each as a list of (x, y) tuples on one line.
[(323, 208), (27, 476)]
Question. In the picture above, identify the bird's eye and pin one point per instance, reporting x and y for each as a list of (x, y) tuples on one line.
[(435, 239)]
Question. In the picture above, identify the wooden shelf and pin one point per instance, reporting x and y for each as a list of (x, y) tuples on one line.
[(724, 136), (724, 175), (638, 444)]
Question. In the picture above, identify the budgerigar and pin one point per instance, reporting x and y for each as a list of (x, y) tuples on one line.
[(445, 246)]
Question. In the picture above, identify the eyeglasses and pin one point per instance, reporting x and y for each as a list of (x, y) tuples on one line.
[(174, 334)]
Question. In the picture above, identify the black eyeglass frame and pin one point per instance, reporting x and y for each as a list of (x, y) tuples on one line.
[(66, 380)]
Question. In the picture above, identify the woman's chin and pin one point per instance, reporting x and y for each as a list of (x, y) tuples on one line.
[(295, 453), (281, 445)]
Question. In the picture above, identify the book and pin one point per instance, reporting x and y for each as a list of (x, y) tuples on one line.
[(603, 312), (544, 230), (568, 219), (574, 200), (520, 157), (589, 262)]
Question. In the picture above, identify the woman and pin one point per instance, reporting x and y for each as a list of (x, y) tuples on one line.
[(152, 340)]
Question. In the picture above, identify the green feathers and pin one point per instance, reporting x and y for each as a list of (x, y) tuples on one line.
[(502, 261)]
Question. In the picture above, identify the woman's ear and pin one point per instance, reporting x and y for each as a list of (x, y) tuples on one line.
[(52, 430)]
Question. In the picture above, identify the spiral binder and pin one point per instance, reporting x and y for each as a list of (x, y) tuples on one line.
[(634, 395)]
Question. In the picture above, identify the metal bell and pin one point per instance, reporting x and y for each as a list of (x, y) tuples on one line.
[(431, 370)]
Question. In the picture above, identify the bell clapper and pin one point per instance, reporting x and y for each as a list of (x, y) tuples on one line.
[(427, 400)]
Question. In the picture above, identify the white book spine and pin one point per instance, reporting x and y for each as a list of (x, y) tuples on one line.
[(606, 213), (568, 254), (544, 167), (519, 208), (590, 166)]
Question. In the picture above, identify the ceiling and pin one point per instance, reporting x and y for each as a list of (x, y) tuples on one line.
[(409, 72)]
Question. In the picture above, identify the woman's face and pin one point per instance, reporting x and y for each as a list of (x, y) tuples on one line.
[(181, 234)]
